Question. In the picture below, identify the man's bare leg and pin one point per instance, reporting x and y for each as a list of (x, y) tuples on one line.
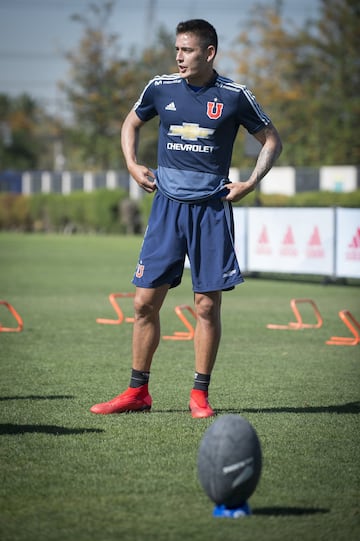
[(208, 330), (206, 345), (146, 333), (146, 337)]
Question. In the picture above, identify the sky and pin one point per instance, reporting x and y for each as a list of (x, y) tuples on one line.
[(35, 34)]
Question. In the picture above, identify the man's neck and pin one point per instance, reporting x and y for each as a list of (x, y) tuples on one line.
[(202, 81)]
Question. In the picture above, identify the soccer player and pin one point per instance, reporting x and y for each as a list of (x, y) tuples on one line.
[(200, 113)]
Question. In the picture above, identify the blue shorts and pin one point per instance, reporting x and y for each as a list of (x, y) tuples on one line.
[(203, 231)]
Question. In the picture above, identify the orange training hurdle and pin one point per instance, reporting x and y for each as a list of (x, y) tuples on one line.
[(352, 325), (16, 316), (299, 324), (119, 312), (182, 335)]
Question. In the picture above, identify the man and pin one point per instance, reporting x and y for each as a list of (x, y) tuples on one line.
[(200, 113)]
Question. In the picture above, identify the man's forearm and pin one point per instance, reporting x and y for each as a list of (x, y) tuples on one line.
[(268, 155), (130, 138)]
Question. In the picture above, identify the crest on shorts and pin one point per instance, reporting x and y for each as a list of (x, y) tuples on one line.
[(140, 271), (214, 109)]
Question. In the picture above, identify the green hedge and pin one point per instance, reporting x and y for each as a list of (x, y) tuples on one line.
[(101, 211), (98, 211), (304, 199)]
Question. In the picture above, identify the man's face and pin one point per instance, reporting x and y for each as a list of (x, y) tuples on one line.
[(194, 62)]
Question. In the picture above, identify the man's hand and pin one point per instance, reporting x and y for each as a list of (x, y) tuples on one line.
[(129, 142), (144, 177), (238, 190)]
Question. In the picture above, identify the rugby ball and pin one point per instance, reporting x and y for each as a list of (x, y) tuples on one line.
[(229, 461)]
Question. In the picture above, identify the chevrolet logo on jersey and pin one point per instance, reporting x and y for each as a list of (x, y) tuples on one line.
[(190, 131)]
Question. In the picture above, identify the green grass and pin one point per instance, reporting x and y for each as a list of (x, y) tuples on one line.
[(69, 475)]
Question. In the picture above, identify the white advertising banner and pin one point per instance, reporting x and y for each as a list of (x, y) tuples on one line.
[(291, 240), (338, 178), (279, 180), (348, 242)]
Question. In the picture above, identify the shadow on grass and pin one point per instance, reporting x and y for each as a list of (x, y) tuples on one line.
[(53, 430), (288, 511), (37, 397), (351, 407)]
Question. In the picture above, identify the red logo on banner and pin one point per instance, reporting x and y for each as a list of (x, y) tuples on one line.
[(315, 238), (354, 245), (314, 244), (288, 242), (263, 243), (289, 237)]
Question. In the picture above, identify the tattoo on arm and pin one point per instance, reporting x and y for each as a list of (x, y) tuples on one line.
[(268, 155), (264, 163)]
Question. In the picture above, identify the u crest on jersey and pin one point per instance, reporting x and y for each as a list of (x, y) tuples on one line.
[(214, 109)]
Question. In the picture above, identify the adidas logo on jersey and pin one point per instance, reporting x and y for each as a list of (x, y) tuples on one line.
[(170, 107)]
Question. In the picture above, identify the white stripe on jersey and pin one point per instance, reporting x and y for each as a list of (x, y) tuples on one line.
[(236, 87), (157, 79), (251, 98), (222, 82)]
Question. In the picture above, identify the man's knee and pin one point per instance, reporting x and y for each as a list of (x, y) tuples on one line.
[(143, 307), (147, 302), (207, 306)]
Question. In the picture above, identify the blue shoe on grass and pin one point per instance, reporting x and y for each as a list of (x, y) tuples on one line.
[(223, 512)]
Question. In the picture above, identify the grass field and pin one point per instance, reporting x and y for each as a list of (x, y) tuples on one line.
[(69, 475)]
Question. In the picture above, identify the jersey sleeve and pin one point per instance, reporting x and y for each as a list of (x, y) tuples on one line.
[(251, 114), (145, 107)]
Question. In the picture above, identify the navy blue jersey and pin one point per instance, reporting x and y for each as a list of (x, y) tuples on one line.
[(197, 132)]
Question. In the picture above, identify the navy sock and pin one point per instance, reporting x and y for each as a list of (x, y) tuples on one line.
[(138, 378), (201, 381)]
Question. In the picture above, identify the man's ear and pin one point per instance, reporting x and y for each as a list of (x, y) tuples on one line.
[(211, 53)]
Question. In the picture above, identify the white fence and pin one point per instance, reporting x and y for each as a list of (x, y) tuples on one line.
[(66, 182), (284, 180), (324, 241)]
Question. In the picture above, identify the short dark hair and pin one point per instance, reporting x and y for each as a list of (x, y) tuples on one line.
[(204, 30)]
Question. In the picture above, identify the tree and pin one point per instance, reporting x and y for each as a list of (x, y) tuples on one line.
[(154, 61), (103, 87), (263, 56), (307, 79), (100, 88), (24, 134), (328, 64)]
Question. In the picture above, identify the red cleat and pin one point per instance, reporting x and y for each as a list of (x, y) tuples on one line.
[(199, 404), (131, 400)]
